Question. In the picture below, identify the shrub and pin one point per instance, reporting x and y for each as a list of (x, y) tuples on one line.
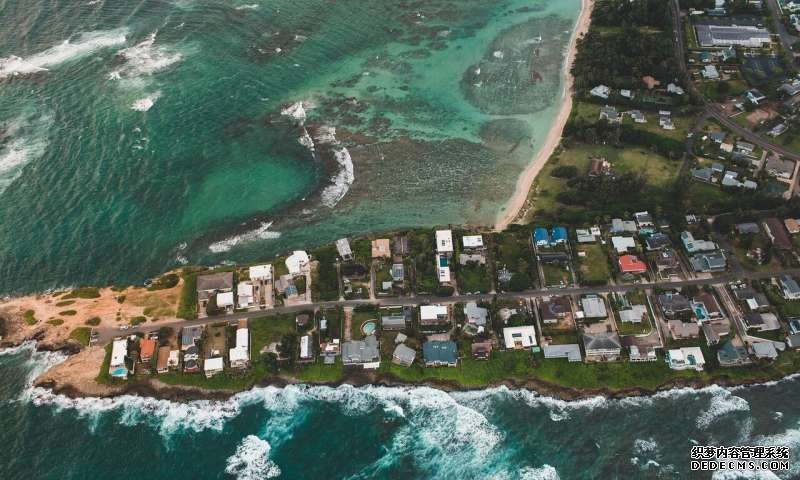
[(29, 318), (186, 308), (121, 299), (138, 320), (94, 321), (518, 282), (565, 171), (81, 335), (165, 281), (300, 283), (84, 292), (68, 313), (445, 291), (55, 322), (65, 303)]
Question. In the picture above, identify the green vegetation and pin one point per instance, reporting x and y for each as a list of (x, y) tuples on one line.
[(65, 303), (555, 275), (165, 281), (68, 313), (29, 318), (593, 268), (94, 321), (81, 335), (83, 292), (138, 320), (325, 280), (512, 253), (473, 277), (187, 307), (422, 246), (55, 322)]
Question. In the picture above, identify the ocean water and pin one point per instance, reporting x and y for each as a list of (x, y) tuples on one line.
[(378, 432), (137, 136)]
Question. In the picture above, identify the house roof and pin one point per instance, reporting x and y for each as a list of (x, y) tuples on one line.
[(163, 358), (440, 352), (622, 244), (631, 264), (524, 335), (764, 350), (476, 314), (593, 307), (361, 351), (296, 261), (554, 307), (444, 241), (258, 272), (747, 227), (777, 233), (571, 351), (472, 241), (381, 248), (601, 341), (657, 241), (792, 226), (709, 301), (343, 247), (633, 314), (147, 347), (212, 364), (559, 234), (404, 353), (681, 329), (541, 235), (728, 354), (215, 281)]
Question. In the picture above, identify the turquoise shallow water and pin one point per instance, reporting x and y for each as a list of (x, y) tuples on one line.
[(140, 135), (359, 433)]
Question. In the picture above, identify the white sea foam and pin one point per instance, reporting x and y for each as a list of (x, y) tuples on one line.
[(146, 103), (545, 472), (28, 141), (296, 111), (143, 59), (722, 403), (249, 6), (341, 181), (251, 460), (744, 475), (644, 446), (263, 232), (76, 47)]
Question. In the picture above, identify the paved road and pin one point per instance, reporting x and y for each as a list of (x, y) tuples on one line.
[(787, 39), (106, 334)]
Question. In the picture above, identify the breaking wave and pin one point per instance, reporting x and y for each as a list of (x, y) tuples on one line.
[(263, 232), (341, 181), (146, 103), (251, 460), (76, 47), (143, 59), (28, 141)]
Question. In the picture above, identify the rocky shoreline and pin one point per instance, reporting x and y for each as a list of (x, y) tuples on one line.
[(75, 378)]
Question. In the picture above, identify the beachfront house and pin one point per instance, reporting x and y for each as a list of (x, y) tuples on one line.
[(119, 353), (362, 353), (434, 315), (516, 338), (213, 366), (239, 355), (344, 250), (403, 355), (686, 358), (208, 286), (602, 346), (440, 353)]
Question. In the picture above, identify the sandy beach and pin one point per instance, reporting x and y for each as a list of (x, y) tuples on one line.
[(514, 207)]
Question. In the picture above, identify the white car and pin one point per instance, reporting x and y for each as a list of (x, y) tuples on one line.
[(124, 327)]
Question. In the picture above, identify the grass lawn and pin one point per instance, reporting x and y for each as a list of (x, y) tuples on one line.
[(473, 277), (358, 319), (593, 269), (630, 328), (562, 337), (555, 275), (318, 372), (512, 251), (706, 198), (81, 335)]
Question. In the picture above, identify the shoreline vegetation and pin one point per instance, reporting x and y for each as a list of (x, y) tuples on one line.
[(60, 320)]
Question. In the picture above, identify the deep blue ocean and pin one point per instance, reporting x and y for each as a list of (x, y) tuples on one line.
[(376, 432)]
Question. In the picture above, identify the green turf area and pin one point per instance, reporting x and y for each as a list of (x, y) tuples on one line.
[(512, 251), (81, 335), (473, 277), (629, 328), (555, 275), (360, 316), (320, 373), (85, 292), (593, 268)]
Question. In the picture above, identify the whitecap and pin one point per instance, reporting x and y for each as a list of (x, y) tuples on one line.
[(251, 460), (144, 59), (296, 111), (545, 472), (28, 142), (263, 232), (341, 181), (79, 46), (249, 6), (641, 446), (722, 403), (146, 103)]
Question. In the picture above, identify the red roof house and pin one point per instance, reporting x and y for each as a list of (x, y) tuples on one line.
[(631, 264)]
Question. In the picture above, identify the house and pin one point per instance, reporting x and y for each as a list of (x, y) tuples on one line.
[(793, 340), (755, 97), (686, 358), (623, 226), (717, 167), (717, 137), (398, 272), (440, 353), (443, 268), (667, 261), (444, 242), (541, 237), (362, 353), (634, 314), (209, 285), (674, 89), (554, 308), (709, 262), (191, 359), (472, 242), (394, 321), (729, 355), (665, 120), (553, 257), (403, 355), (190, 336), (693, 245), (778, 167), (637, 116), (631, 264), (381, 248), (626, 93), (598, 166), (623, 244), (213, 366), (792, 226), (239, 355), (481, 350), (476, 316), (602, 346), (343, 248), (162, 363), (764, 350), (680, 330), (600, 91), (593, 306), (708, 306), (610, 114), (433, 315), (147, 348), (754, 300), (119, 352), (519, 337), (747, 228), (643, 219), (571, 351), (583, 236), (778, 130), (710, 72), (260, 273), (559, 235), (174, 359), (646, 354), (245, 294), (674, 305), (703, 174), (729, 35), (789, 287), (790, 88), (297, 262), (657, 241), (777, 234), (306, 351), (400, 247), (225, 301)]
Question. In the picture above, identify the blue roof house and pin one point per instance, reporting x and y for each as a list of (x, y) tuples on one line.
[(541, 238), (559, 235)]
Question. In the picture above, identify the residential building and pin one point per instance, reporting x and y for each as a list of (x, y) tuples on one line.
[(682, 330), (693, 245), (602, 346), (481, 350), (584, 236), (747, 228), (686, 358), (239, 355), (600, 91), (729, 355), (709, 262), (398, 272), (541, 237), (779, 167), (433, 315), (440, 353), (571, 351), (708, 305), (362, 353), (657, 241), (245, 295), (777, 234), (209, 286), (789, 287), (593, 306), (119, 352), (403, 355), (764, 350), (755, 97), (634, 314), (674, 89), (623, 226), (644, 354), (610, 114), (306, 351), (213, 366), (393, 322), (554, 309), (792, 225), (477, 317), (637, 116), (190, 336), (519, 337), (444, 242), (147, 348), (380, 248), (343, 248), (674, 305), (703, 174), (162, 364), (260, 273), (559, 235), (728, 35), (297, 262), (631, 264), (667, 262), (225, 301), (710, 72), (623, 244), (472, 242)]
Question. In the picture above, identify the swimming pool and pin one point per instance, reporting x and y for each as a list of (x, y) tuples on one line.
[(368, 327), (119, 372)]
